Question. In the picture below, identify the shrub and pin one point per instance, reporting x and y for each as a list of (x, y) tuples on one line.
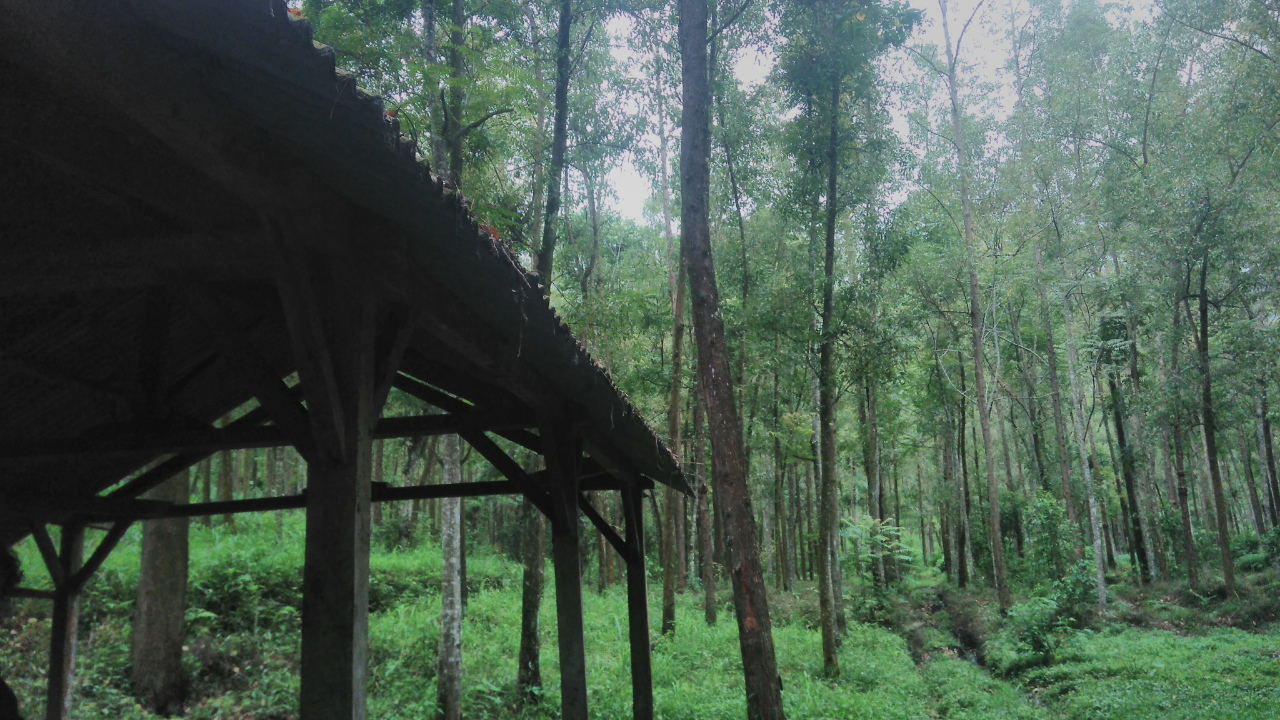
[(1032, 633)]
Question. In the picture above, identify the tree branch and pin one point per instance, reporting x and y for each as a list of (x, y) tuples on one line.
[(731, 20), (462, 132)]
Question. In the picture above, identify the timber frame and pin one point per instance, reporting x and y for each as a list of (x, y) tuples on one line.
[(196, 208)]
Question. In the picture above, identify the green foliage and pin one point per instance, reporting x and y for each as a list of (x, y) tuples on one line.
[(1032, 633), (1048, 537), (1155, 675), (964, 692)]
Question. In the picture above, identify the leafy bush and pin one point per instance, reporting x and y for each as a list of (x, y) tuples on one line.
[(1032, 633), (1076, 593), (1271, 545), (1254, 562), (1048, 537)]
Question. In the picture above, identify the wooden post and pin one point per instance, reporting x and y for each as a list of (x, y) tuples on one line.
[(332, 324), (66, 612), (637, 606), (560, 446)]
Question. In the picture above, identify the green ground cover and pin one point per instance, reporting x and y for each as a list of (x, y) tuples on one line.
[(243, 638)]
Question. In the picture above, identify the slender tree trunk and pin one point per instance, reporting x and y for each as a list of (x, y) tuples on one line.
[(705, 550), (962, 461), (871, 461), (1266, 459), (377, 477), (826, 407), (559, 142), (1209, 417), (225, 492), (453, 138), (534, 552), (1255, 505), (206, 488), (449, 682), (430, 56), (975, 318), (158, 633), (1033, 414), (751, 603), (1059, 420), (1130, 489), (670, 499), (1095, 523)]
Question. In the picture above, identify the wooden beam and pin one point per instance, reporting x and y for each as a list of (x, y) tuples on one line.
[(195, 445), (425, 425), (457, 406), (267, 385), (50, 555), (77, 581), (312, 351), (637, 606), (603, 526), (390, 351), (454, 377), (509, 468)]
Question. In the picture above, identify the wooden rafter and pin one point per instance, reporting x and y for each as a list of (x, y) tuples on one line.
[(266, 383), (203, 441)]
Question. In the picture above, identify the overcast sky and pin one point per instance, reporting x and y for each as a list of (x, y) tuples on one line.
[(985, 49)]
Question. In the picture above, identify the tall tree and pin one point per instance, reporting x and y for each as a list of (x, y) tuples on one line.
[(751, 602), (975, 305), (559, 141), (449, 662)]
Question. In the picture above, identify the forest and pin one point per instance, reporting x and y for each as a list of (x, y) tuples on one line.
[(961, 318)]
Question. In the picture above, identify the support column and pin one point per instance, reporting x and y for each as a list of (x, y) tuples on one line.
[(560, 446), (637, 606), (332, 325), (66, 613)]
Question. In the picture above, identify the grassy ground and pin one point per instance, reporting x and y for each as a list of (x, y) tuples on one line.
[(242, 649)]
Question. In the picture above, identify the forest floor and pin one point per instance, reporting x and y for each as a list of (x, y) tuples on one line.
[(908, 654)]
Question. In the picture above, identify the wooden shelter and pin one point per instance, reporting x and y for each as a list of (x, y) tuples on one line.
[(195, 206)]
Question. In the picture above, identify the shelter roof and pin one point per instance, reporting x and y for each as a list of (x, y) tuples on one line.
[(157, 156)]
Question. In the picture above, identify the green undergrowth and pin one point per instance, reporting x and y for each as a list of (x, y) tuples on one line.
[(913, 651), (243, 638), (1158, 675)]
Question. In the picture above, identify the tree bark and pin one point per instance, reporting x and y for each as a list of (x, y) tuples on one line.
[(206, 487), (1130, 489), (751, 603), (225, 492), (1095, 523), (826, 405), (670, 498), (452, 137), (1210, 431), (704, 515), (1266, 458), (1259, 517), (534, 552), (1059, 419), (377, 477), (559, 141), (449, 682), (162, 604)]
